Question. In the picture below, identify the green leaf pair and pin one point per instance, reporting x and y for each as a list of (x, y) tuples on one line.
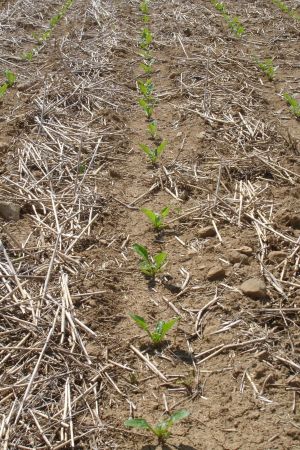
[(160, 330), (152, 129), (10, 81), (155, 153), (162, 429), (268, 68), (146, 38), (150, 265), (293, 103), (157, 219), (146, 89), (147, 107), (144, 6)]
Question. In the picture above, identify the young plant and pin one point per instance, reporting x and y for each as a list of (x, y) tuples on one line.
[(146, 18), (146, 39), (236, 26), (281, 5), (146, 55), (147, 107), (9, 82), (150, 265), (146, 89), (162, 429), (293, 103), (144, 7), (55, 19), (268, 68), (152, 129), (147, 67), (219, 6), (154, 154), (157, 219), (10, 78), (160, 331), (28, 55)]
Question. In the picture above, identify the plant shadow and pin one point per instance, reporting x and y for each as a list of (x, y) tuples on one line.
[(183, 355), (152, 349)]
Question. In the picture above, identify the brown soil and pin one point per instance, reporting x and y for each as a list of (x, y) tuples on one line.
[(70, 131)]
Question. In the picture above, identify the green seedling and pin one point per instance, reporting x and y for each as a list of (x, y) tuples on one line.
[(157, 219), (153, 154), (3, 89), (268, 68), (281, 5), (41, 39), (162, 429), (219, 6), (236, 26), (146, 18), (147, 67), (146, 89), (233, 22), (10, 78), (146, 39), (28, 55), (160, 331), (81, 169), (9, 82), (152, 129), (146, 55), (144, 7), (150, 265), (293, 103), (55, 19), (147, 107)]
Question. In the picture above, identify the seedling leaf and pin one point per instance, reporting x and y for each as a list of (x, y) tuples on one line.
[(166, 326), (10, 78), (3, 89), (141, 251), (160, 259), (151, 215), (140, 321), (179, 415), (165, 212), (161, 148), (138, 423)]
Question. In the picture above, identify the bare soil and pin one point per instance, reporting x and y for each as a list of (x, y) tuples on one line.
[(74, 365)]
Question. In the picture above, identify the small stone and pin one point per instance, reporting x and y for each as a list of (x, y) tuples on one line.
[(245, 250), (254, 288), (235, 257), (10, 211), (206, 232), (216, 273), (277, 256), (179, 134)]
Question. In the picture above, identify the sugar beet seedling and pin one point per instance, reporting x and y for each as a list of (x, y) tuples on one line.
[(9, 82), (233, 22), (157, 219), (162, 429), (152, 129), (150, 265), (293, 103), (153, 154), (267, 67), (160, 330)]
